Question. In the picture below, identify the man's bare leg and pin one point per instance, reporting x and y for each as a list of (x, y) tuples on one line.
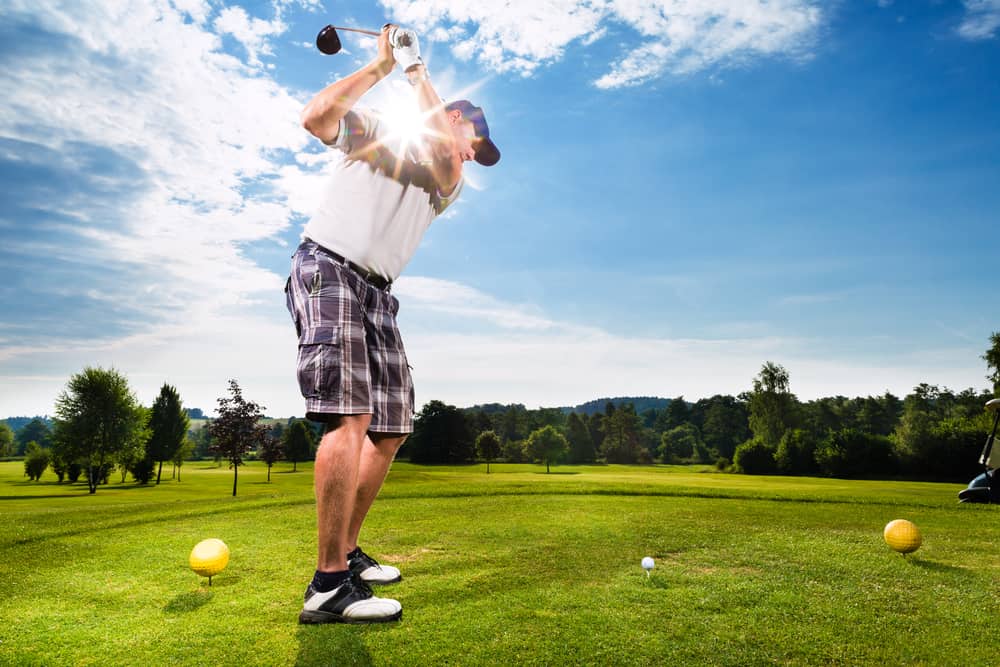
[(377, 455), (336, 476)]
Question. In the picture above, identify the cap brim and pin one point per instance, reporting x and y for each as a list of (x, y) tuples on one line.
[(487, 153)]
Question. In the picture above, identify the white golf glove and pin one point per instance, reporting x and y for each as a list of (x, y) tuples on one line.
[(405, 47)]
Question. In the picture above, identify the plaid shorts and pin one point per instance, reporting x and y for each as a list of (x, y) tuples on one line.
[(351, 359)]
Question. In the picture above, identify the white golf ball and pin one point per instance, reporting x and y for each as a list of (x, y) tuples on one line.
[(647, 563)]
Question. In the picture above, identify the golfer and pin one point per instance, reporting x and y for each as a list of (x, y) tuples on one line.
[(352, 368)]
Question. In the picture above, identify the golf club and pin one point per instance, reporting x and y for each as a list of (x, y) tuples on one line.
[(328, 41)]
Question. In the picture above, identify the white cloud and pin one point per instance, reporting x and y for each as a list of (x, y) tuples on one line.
[(982, 19), (251, 32), (198, 10), (193, 134), (510, 353), (442, 297), (469, 347), (678, 36)]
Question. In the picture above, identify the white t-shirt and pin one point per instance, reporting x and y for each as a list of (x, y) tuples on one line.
[(376, 207)]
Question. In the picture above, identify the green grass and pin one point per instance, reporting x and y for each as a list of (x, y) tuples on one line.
[(512, 568)]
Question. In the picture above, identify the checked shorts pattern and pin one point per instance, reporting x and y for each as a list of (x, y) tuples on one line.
[(351, 359)]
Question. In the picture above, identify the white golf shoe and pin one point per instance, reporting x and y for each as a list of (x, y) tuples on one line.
[(351, 602), (368, 569)]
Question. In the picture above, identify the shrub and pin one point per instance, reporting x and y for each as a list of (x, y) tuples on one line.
[(36, 460), (796, 453), (849, 453), (754, 457), (143, 469)]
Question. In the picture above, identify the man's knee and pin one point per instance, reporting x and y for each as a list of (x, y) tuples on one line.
[(351, 426), (389, 442)]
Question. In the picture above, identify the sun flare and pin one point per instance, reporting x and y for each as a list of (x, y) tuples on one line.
[(405, 121)]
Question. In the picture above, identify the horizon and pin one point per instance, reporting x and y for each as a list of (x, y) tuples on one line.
[(685, 193), (619, 400)]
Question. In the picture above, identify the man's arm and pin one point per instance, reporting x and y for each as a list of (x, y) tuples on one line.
[(446, 165), (321, 116)]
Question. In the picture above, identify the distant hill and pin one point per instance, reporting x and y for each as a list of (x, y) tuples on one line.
[(494, 408), (17, 423)]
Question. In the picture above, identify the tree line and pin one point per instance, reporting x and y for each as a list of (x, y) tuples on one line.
[(99, 427), (932, 433)]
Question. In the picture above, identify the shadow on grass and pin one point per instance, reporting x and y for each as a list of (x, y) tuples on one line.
[(558, 472), (190, 601), (654, 581), (336, 644), (933, 566)]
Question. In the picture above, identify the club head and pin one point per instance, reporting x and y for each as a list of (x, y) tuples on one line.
[(328, 41)]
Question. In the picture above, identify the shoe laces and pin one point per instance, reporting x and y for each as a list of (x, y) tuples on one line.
[(361, 586), (365, 558)]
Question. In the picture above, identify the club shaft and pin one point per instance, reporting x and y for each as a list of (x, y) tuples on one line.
[(365, 32)]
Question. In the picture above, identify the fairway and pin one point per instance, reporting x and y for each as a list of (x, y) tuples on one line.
[(512, 568)]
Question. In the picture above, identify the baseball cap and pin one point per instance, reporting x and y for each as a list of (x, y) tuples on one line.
[(487, 153)]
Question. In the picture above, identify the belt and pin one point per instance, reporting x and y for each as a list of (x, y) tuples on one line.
[(373, 279)]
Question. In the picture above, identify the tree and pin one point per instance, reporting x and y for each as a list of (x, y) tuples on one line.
[(512, 451), (772, 405), (36, 460), (547, 444), (168, 424), (34, 431), (237, 429), (97, 418), (6, 440), (992, 359), (183, 452), (595, 424), (676, 413), (488, 447), (270, 452), (852, 454), (913, 439), (679, 443), (202, 442), (621, 435), (142, 470), (581, 444), (132, 457), (726, 425), (796, 453), (440, 435), (297, 443), (880, 415), (513, 423)]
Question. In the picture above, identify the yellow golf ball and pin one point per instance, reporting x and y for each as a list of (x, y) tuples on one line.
[(902, 536), (209, 557)]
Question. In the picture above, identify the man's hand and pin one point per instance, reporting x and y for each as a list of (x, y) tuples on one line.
[(405, 47), (385, 59), (322, 115)]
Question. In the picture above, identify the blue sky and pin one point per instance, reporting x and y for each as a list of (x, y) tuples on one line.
[(687, 190)]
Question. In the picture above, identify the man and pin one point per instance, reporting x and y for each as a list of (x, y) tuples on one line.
[(352, 367)]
